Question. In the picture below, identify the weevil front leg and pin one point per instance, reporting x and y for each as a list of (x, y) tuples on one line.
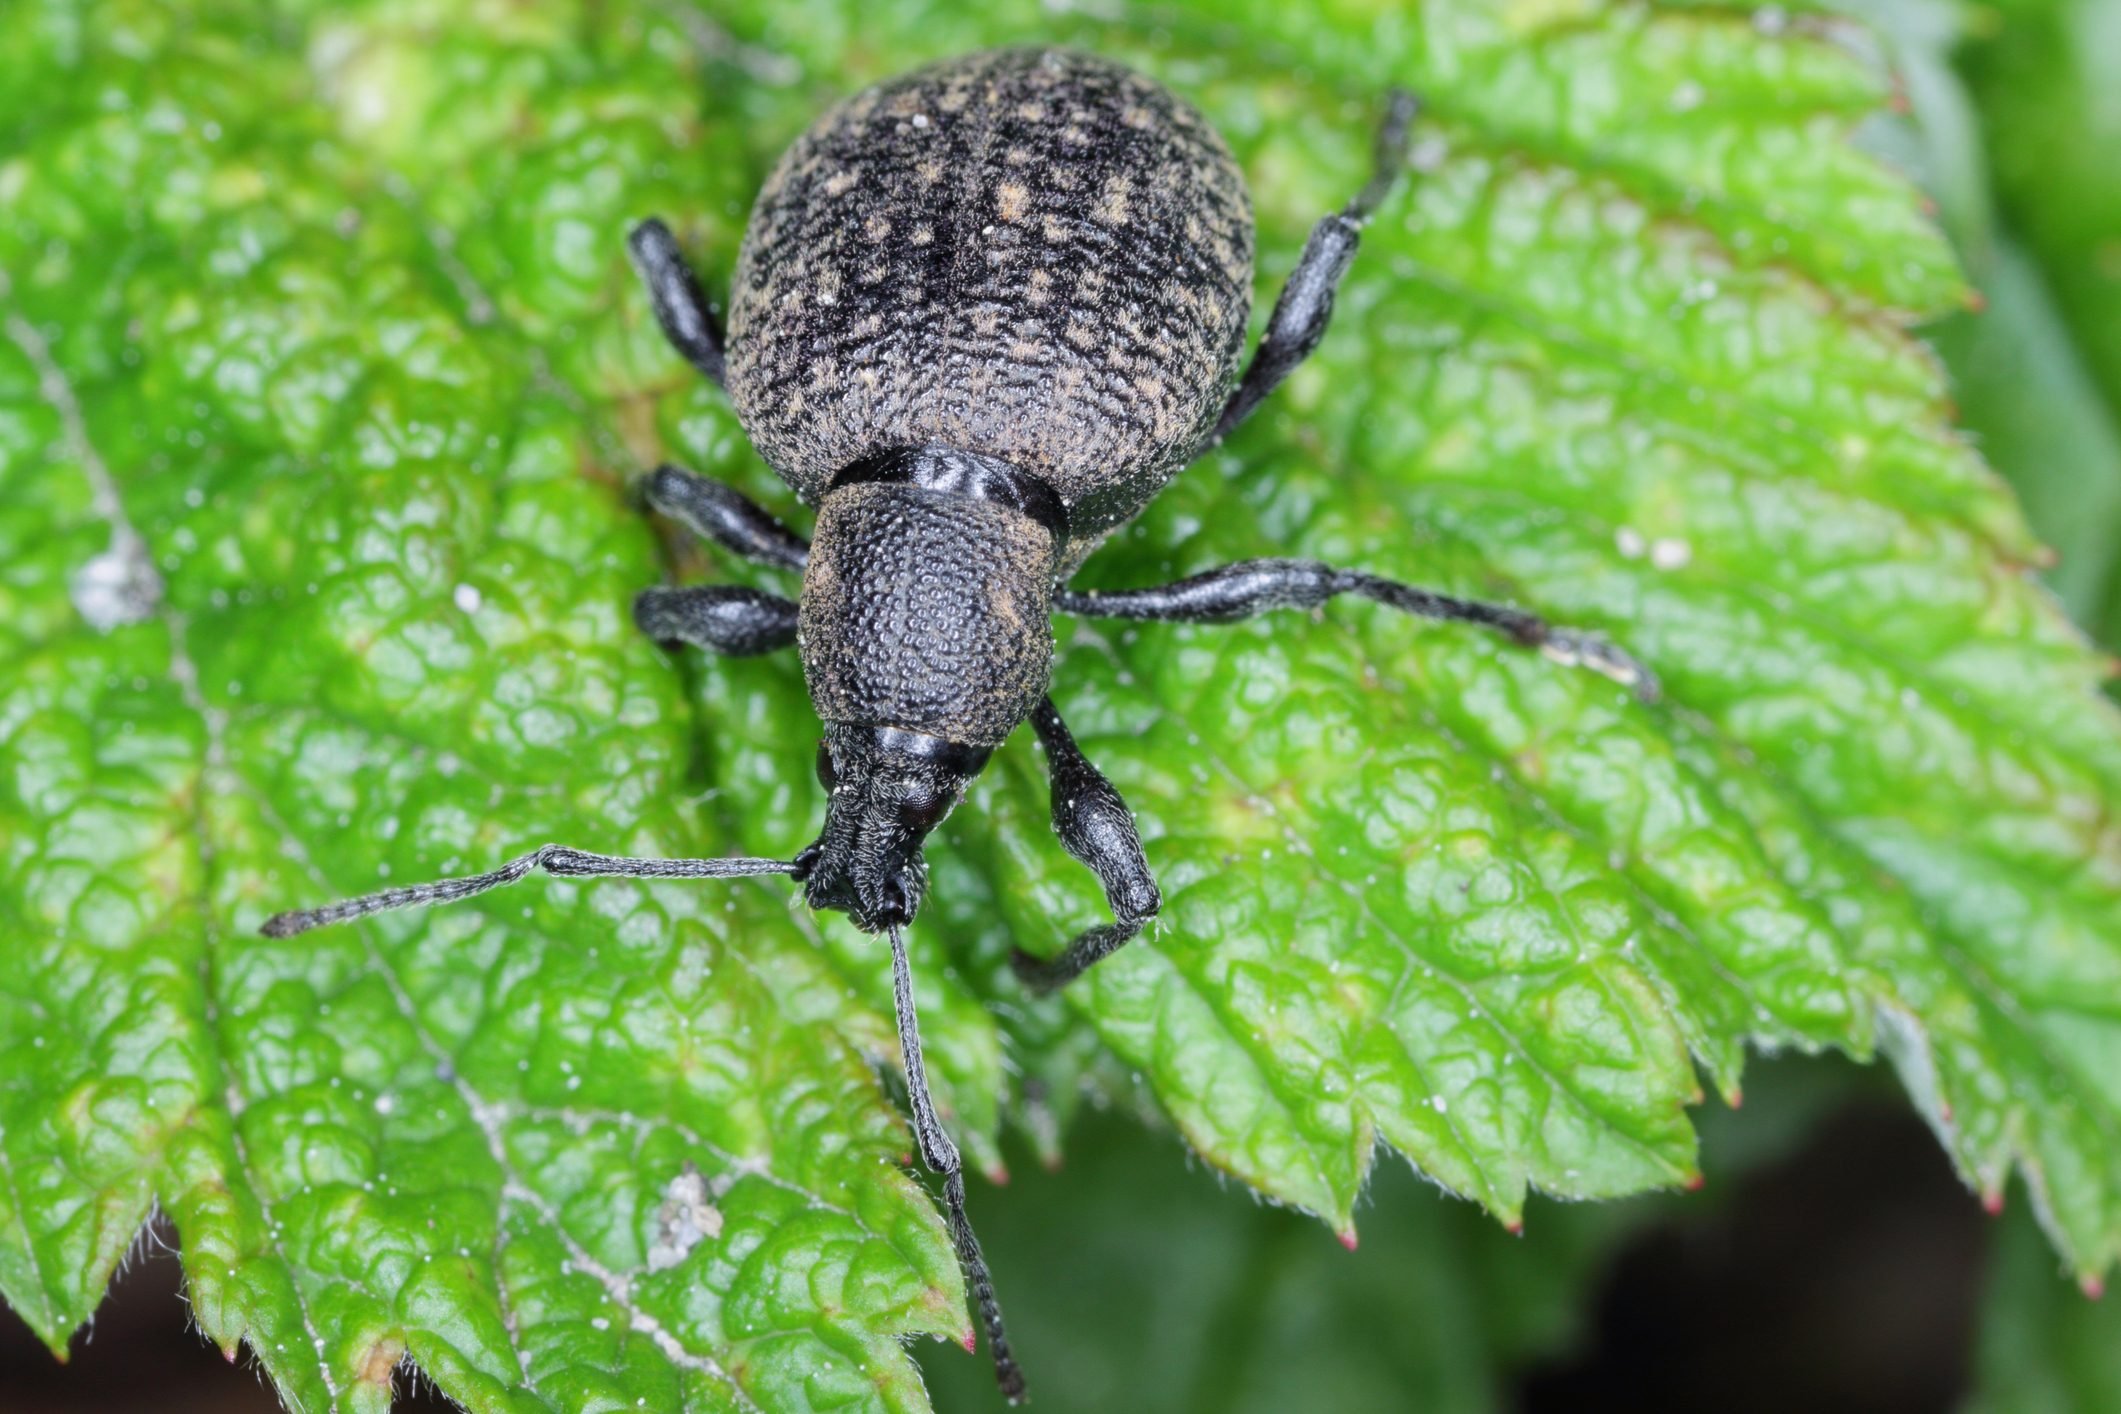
[(717, 511), (1095, 826), (728, 618), (1305, 305), (1249, 587)]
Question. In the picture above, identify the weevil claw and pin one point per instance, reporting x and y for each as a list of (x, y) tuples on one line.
[(1577, 649)]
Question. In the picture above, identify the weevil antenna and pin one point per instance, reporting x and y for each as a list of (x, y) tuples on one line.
[(552, 858), (939, 1152)]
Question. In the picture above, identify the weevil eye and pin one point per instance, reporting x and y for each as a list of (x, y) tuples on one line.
[(923, 808), (826, 776), (927, 815)]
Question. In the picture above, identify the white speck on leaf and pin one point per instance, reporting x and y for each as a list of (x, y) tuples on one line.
[(684, 1218), (468, 598), (1669, 554), (118, 587)]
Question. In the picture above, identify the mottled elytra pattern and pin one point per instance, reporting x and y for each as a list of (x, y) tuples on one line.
[(962, 582), (1034, 254)]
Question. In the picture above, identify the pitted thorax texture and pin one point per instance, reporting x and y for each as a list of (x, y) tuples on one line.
[(927, 612)]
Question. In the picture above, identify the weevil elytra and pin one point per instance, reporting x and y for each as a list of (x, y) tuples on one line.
[(982, 314)]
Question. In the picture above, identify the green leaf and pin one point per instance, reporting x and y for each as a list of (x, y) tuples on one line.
[(2044, 79), (2044, 1349), (322, 377), (2024, 391), (395, 556), (2027, 391), (2044, 72), (1552, 374), (1161, 1301)]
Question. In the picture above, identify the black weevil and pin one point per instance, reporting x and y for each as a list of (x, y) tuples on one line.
[(982, 314)]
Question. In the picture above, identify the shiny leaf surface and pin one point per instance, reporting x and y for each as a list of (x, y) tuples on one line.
[(322, 379)]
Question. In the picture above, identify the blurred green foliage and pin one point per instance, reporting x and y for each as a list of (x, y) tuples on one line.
[(322, 378), (2014, 121), (2012, 125)]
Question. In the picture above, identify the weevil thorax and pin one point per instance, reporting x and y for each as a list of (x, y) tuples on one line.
[(926, 638)]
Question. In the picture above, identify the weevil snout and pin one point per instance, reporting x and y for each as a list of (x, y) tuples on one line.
[(874, 899), (888, 789)]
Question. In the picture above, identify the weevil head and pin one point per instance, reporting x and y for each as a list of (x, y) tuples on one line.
[(887, 790)]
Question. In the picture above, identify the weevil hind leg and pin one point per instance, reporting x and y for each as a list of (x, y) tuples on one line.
[(1096, 827), (688, 320), (1305, 306)]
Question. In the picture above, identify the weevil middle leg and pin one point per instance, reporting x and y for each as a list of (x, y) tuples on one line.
[(1249, 587), (729, 619), (717, 511)]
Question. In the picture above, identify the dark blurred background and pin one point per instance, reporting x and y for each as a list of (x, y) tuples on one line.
[(1833, 1263)]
